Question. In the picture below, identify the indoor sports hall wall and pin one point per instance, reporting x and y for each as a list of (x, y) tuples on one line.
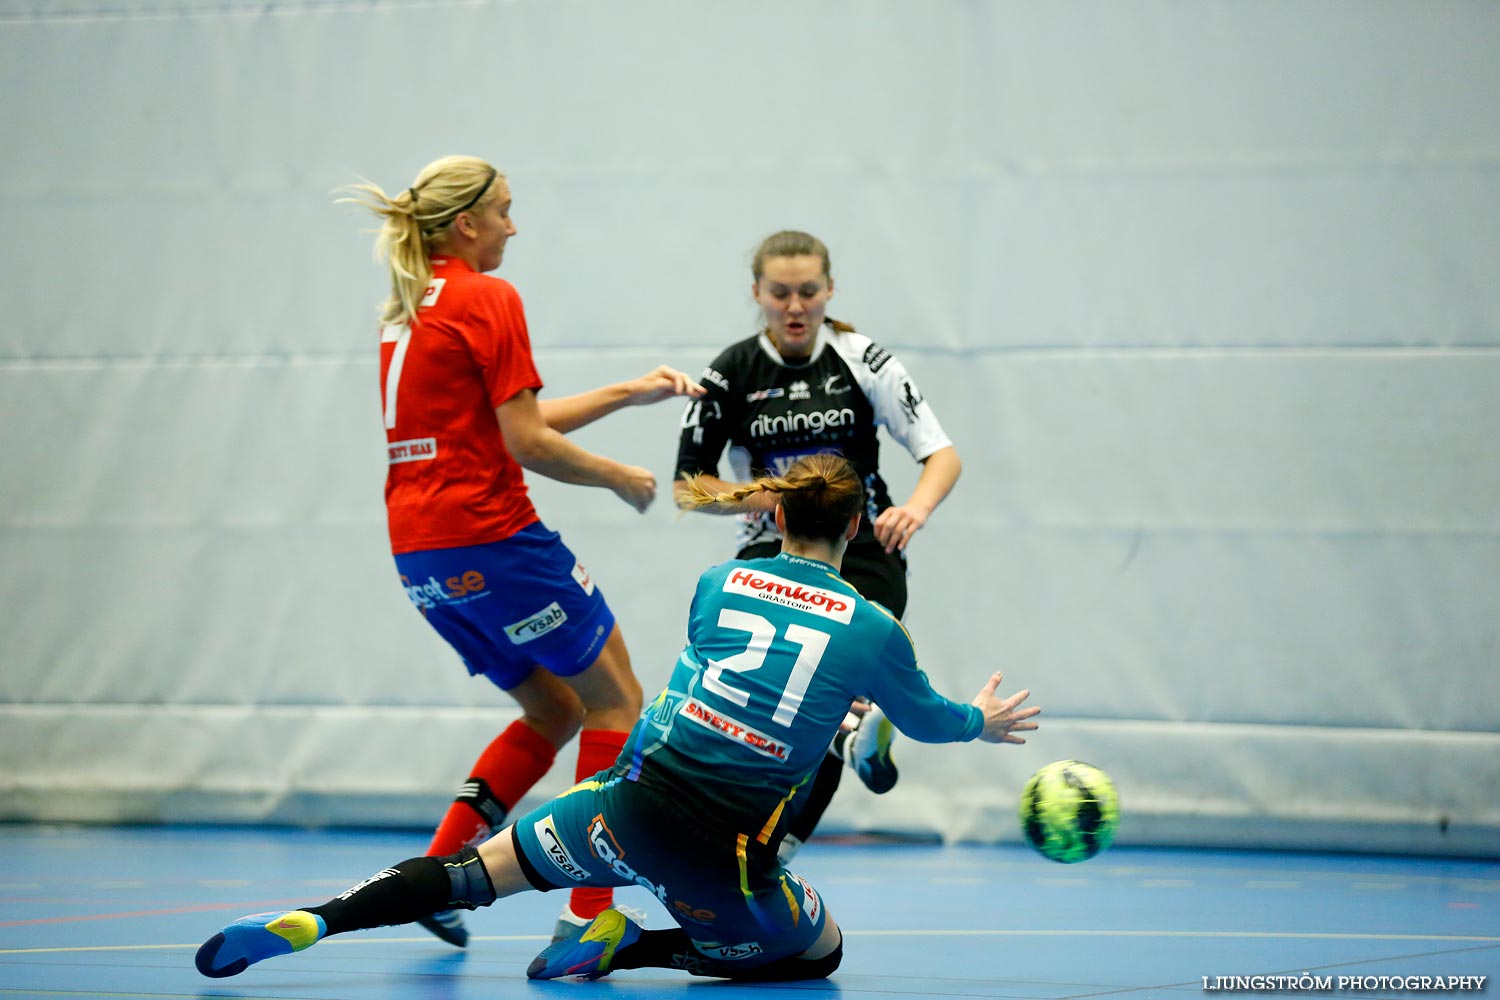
[(1205, 292)]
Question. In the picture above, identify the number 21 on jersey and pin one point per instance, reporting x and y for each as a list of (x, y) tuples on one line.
[(811, 645)]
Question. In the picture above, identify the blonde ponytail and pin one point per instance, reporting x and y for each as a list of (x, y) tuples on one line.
[(412, 221), (818, 495)]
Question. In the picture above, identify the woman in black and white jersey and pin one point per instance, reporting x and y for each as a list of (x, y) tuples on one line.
[(804, 384)]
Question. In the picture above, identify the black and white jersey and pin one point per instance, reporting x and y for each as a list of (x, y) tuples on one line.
[(770, 412)]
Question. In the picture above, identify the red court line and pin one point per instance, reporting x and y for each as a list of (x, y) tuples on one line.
[(201, 908)]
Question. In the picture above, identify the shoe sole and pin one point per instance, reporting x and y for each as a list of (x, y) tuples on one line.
[(261, 938), (457, 936), (209, 951)]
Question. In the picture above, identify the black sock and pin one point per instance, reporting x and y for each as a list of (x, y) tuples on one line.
[(413, 889), (673, 949), (654, 950)]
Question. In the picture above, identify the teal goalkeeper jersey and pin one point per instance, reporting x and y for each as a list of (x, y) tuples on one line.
[(777, 649)]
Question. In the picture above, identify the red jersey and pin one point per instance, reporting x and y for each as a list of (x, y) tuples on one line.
[(451, 480)]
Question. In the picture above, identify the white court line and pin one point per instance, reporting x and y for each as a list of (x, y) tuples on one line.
[(1289, 935), (425, 939), (12, 992), (1257, 935)]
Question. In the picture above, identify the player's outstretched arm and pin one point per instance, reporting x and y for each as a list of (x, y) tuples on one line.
[(1003, 717), (572, 412), (545, 451)]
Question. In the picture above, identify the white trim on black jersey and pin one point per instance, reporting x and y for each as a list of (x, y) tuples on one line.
[(766, 412)]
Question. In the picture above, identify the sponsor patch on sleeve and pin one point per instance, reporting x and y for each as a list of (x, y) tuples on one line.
[(876, 357)]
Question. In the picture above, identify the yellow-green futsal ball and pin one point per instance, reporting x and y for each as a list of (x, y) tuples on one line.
[(1069, 811)]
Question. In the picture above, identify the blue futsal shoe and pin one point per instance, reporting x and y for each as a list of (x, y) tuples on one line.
[(570, 926), (448, 925), (256, 938), (589, 955)]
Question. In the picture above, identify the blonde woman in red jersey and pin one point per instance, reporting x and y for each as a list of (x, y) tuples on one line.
[(462, 420)]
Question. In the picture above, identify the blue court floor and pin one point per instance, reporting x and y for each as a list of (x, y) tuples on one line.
[(119, 912)]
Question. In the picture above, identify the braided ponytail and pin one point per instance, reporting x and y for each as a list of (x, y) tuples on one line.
[(818, 495)]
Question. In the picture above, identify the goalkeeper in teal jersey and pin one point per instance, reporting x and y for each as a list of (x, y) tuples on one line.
[(777, 651), (696, 805)]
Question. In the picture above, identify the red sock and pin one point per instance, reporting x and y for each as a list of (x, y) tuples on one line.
[(507, 769), (597, 750)]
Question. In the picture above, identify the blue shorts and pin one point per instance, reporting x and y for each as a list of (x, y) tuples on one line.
[(731, 895), (512, 605)]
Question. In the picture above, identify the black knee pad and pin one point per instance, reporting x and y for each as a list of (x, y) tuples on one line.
[(822, 968), (782, 970), (471, 886)]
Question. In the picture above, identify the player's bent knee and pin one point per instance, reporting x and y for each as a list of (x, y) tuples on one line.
[(634, 700), (468, 881), (822, 968), (610, 691), (560, 726), (829, 940), (794, 969)]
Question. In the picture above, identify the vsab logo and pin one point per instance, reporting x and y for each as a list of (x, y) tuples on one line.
[(731, 952), (537, 625), (557, 851)]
